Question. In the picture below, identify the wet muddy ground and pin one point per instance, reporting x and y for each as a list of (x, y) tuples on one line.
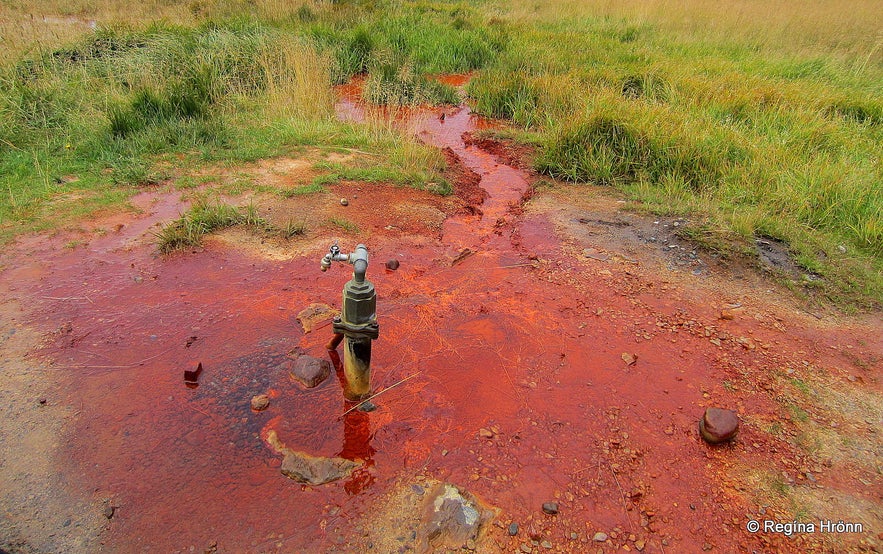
[(544, 344)]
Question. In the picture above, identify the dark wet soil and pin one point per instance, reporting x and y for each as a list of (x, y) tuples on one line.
[(511, 364)]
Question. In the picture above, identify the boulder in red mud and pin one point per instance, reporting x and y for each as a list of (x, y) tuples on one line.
[(452, 518), (718, 425), (422, 514), (310, 371)]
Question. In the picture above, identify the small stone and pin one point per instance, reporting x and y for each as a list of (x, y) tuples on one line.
[(595, 255), (639, 545), (727, 314), (344, 202), (526, 549), (486, 433), (260, 402), (513, 529), (310, 371), (367, 406), (550, 508), (470, 544), (392, 264), (718, 425), (600, 537), (418, 490), (546, 544), (573, 536), (109, 510), (629, 358), (42, 401), (707, 546)]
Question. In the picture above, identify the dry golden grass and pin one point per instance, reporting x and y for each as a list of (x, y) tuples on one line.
[(27, 25), (297, 78), (851, 31)]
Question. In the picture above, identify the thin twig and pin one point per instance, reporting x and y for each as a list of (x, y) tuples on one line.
[(9, 144), (69, 298), (622, 495), (202, 412), (126, 366), (498, 267), (373, 396), (350, 150)]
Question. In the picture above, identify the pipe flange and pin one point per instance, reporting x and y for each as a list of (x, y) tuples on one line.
[(368, 331)]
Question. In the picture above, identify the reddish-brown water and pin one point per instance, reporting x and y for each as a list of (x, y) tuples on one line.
[(519, 337)]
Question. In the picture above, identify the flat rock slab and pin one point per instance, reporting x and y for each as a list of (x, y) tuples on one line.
[(315, 470), (315, 314), (308, 469)]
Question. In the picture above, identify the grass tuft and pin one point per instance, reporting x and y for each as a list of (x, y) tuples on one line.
[(203, 218)]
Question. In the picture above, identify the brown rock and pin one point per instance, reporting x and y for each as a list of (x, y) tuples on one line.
[(191, 376), (718, 425), (550, 508), (260, 402), (310, 371), (392, 265)]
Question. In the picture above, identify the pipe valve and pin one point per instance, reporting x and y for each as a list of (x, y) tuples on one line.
[(332, 255)]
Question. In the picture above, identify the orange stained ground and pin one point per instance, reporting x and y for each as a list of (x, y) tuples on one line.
[(517, 338)]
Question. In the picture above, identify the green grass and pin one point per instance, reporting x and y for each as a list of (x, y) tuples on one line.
[(293, 229), (398, 83), (748, 142), (203, 218), (344, 224), (315, 187)]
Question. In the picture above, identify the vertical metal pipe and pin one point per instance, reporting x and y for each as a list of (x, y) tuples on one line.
[(357, 368)]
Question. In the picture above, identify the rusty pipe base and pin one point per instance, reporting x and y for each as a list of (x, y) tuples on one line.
[(357, 368)]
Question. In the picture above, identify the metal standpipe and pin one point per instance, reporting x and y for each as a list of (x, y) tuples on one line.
[(357, 325)]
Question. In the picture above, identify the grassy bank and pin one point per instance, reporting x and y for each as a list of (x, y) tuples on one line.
[(761, 121), (722, 118)]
